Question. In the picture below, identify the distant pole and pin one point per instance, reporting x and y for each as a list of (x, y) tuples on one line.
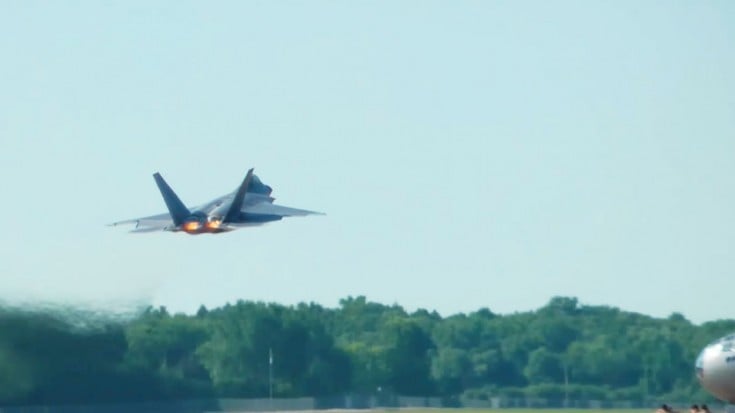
[(270, 376), (566, 362)]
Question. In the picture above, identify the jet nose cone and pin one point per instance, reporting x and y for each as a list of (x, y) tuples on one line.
[(715, 368)]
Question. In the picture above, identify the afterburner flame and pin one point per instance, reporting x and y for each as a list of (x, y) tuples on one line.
[(191, 226), (214, 224)]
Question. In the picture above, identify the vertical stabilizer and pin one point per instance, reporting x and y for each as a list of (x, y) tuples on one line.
[(176, 208), (234, 212)]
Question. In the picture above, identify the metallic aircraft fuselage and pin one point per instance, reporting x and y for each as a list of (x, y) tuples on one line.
[(715, 368)]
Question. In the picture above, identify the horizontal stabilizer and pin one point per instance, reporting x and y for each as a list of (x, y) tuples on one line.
[(265, 208), (143, 230)]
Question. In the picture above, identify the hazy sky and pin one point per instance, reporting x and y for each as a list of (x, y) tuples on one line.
[(467, 154)]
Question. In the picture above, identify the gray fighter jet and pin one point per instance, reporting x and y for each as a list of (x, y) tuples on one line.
[(250, 204)]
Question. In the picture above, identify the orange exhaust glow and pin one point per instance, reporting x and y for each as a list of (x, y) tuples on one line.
[(191, 226), (213, 224)]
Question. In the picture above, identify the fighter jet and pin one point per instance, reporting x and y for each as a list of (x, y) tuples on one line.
[(250, 204), (715, 368)]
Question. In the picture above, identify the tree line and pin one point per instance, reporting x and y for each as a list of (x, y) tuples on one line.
[(248, 349)]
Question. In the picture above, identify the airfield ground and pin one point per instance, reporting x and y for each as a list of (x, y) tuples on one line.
[(472, 410), (512, 410)]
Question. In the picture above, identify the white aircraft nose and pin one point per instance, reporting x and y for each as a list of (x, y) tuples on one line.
[(715, 368)]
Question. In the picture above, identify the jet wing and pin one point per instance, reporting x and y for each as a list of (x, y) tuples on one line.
[(265, 208), (147, 224)]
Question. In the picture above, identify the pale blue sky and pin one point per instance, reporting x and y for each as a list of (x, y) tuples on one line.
[(468, 154)]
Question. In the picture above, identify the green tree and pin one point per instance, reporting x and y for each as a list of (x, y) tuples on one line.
[(544, 367), (408, 358)]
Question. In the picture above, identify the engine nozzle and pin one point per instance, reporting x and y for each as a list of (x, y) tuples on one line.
[(192, 227)]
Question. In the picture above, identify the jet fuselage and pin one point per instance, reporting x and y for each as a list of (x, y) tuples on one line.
[(715, 368)]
